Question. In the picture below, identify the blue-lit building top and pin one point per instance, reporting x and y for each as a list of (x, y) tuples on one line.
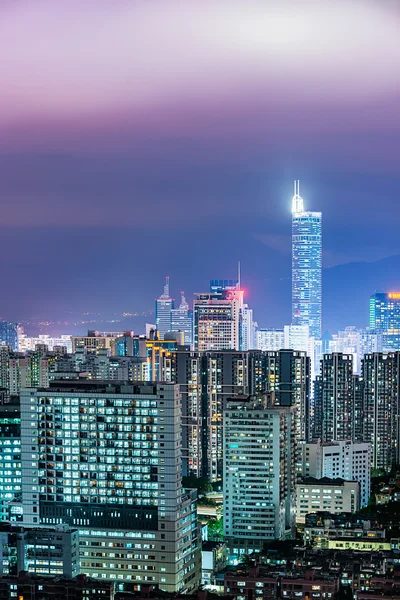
[(384, 318), (306, 266), (222, 285), (9, 334)]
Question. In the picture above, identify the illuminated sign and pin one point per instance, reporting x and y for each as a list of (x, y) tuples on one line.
[(394, 295)]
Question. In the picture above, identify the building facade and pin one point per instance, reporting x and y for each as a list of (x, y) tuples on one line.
[(335, 417), (259, 475), (182, 320), (207, 380), (306, 266), (381, 380), (9, 334), (384, 319), (287, 373), (344, 459), (216, 320), (270, 339), (326, 494), (106, 458)]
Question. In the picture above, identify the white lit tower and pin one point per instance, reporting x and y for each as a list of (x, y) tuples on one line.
[(306, 265)]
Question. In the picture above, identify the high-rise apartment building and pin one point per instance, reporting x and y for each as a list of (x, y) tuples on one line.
[(10, 458), (182, 320), (259, 475), (164, 305), (216, 320), (106, 458), (335, 402), (384, 318), (287, 373), (345, 459), (9, 335), (381, 423), (247, 329), (207, 380), (306, 265)]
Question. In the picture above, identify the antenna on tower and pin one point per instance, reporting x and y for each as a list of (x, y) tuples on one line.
[(166, 287), (239, 274)]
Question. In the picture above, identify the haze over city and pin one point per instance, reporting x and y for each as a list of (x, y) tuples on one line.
[(175, 152)]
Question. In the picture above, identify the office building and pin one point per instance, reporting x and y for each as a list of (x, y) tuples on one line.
[(182, 320), (384, 318), (356, 342), (207, 380), (326, 494), (287, 373), (270, 339), (105, 458), (216, 320), (345, 459), (39, 551), (306, 266), (247, 339), (10, 459), (259, 474), (334, 416), (164, 305), (9, 335), (298, 337), (223, 285), (129, 345), (95, 340), (381, 423), (26, 343)]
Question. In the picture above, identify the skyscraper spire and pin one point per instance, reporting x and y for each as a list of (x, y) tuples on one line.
[(297, 201), (166, 288), (183, 305)]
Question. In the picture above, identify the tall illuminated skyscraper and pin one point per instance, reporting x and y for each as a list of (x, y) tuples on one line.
[(164, 305), (306, 265)]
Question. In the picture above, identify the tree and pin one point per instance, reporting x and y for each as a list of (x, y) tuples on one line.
[(202, 484), (216, 529)]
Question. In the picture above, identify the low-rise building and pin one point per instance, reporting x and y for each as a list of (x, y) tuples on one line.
[(343, 533), (39, 551), (30, 587), (260, 583), (213, 560), (326, 494)]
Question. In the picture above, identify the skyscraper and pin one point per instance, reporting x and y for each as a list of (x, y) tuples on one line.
[(287, 374), (306, 265), (164, 305), (216, 320), (206, 380), (384, 319), (381, 422), (334, 416), (182, 320)]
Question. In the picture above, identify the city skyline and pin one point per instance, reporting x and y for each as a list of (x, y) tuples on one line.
[(76, 171)]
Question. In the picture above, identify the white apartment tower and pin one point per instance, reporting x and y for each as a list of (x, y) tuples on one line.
[(259, 474)]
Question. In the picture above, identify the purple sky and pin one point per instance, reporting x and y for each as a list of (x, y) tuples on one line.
[(190, 119)]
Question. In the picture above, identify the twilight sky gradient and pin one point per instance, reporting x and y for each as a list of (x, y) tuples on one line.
[(132, 132)]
